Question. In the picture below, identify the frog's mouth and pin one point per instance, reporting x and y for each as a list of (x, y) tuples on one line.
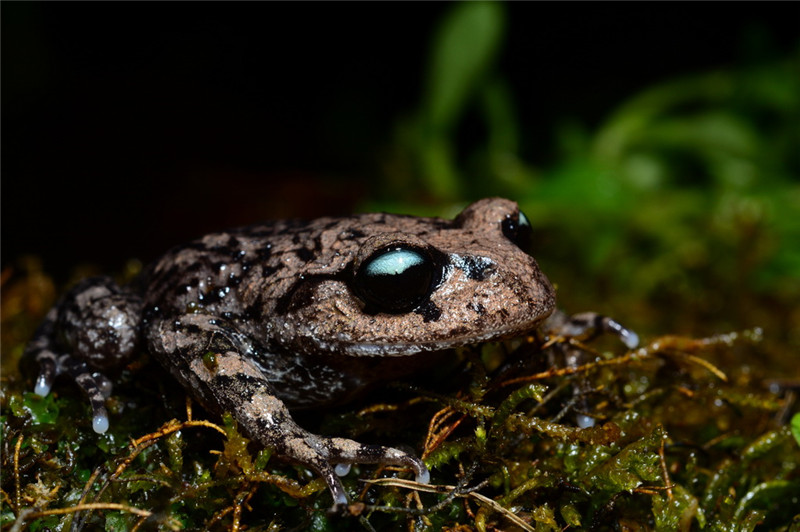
[(400, 349)]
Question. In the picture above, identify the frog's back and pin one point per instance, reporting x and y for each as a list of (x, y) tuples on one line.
[(208, 272), (252, 269)]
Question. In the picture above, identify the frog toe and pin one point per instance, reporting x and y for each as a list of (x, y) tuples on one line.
[(97, 388), (100, 422), (49, 367), (335, 487), (342, 470), (44, 382), (333, 458)]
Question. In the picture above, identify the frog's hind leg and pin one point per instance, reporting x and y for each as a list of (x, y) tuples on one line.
[(94, 327), (216, 363), (40, 349), (95, 385)]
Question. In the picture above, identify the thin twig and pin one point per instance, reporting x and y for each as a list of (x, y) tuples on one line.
[(17, 484), (481, 499), (664, 471)]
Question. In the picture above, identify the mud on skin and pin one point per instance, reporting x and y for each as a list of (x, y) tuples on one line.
[(258, 320)]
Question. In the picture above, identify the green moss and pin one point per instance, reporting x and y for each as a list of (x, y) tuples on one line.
[(680, 444)]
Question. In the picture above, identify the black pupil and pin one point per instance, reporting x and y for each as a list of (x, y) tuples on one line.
[(519, 231), (396, 279)]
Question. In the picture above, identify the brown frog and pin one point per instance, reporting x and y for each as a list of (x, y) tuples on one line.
[(258, 320)]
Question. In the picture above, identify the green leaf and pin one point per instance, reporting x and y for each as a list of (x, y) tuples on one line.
[(43, 410), (630, 468), (49, 522), (571, 515), (465, 47), (795, 424), (678, 511), (463, 52), (7, 518), (118, 521), (767, 496)]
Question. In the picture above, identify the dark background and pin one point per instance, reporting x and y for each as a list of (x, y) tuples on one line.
[(127, 128)]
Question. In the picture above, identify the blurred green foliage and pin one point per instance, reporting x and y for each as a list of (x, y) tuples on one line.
[(687, 196)]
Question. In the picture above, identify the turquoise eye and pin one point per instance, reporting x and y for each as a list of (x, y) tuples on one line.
[(395, 262), (395, 279)]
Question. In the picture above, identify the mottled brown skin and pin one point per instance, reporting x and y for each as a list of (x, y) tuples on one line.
[(268, 317)]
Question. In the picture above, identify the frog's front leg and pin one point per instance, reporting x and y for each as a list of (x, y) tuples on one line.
[(216, 362), (586, 326), (94, 328)]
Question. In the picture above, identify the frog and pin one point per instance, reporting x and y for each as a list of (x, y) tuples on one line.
[(261, 320)]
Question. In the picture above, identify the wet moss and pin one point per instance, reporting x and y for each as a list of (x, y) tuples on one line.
[(678, 443)]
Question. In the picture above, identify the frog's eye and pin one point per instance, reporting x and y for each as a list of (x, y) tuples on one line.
[(395, 279), (518, 229)]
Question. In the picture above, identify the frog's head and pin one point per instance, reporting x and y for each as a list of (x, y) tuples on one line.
[(417, 284)]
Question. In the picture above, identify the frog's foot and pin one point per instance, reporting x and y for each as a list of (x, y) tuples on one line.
[(320, 454), (95, 326), (374, 454), (252, 401), (96, 386), (217, 363), (588, 325)]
